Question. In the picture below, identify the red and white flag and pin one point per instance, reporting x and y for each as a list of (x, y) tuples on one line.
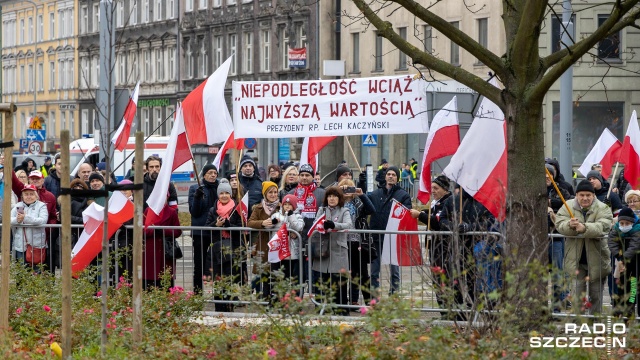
[(121, 137), (89, 244), (480, 164), (230, 143), (279, 245), (318, 225), (630, 153), (606, 151), (178, 153), (243, 207), (311, 147), (443, 140), (206, 115), (401, 249)]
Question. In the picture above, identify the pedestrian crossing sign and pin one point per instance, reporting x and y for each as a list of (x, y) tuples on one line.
[(370, 140)]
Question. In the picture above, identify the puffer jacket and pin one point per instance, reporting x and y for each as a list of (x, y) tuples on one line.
[(294, 222), (199, 206), (598, 220), (338, 259), (34, 214)]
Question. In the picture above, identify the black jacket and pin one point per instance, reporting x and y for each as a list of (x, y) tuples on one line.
[(436, 213), (147, 188), (474, 214), (554, 198), (613, 202), (382, 201), (559, 178), (199, 206), (253, 185), (52, 183)]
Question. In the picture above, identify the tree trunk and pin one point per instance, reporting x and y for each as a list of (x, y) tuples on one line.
[(526, 249)]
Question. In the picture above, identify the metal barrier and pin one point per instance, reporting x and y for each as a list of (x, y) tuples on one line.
[(410, 185)]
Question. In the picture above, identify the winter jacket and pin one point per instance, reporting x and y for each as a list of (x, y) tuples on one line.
[(43, 195), (559, 178), (475, 216), (318, 193), (436, 212), (382, 201), (261, 240), (338, 260), (555, 200), (199, 206), (78, 205), (287, 190), (34, 214), (147, 188), (52, 183), (362, 207), (252, 185), (235, 220), (25, 166), (624, 245), (614, 201), (294, 222), (155, 262), (597, 219)]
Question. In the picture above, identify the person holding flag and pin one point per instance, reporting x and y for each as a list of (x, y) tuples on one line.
[(154, 164), (290, 215), (201, 199)]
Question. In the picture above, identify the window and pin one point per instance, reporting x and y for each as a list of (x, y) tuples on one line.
[(31, 75), (266, 51), (145, 121), (285, 48), (22, 31), (72, 125), (159, 65), (84, 122), (61, 77), (63, 119), (427, 39), (157, 119), (217, 48), (557, 30), (171, 9), (84, 19), (133, 12), (188, 5), (189, 60), (22, 79), (52, 26), (231, 2), (167, 124), (609, 48), (217, 3), (133, 62), (145, 11), (95, 71), (148, 76), (52, 75), (455, 49), (483, 34), (30, 21), (41, 77), (172, 63), (203, 59), (202, 4), (96, 17), (378, 53), (248, 53), (402, 57), (233, 43), (120, 14), (61, 24), (40, 29), (122, 69), (355, 52), (158, 10), (84, 72), (51, 120)]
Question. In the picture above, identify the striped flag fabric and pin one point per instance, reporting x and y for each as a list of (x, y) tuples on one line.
[(401, 249), (121, 136), (279, 245), (606, 151), (243, 207), (318, 225), (230, 143), (630, 153), (311, 147)]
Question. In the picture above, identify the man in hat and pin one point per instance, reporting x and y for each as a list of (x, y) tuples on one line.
[(96, 182), (602, 191), (382, 200), (250, 180), (46, 167), (587, 255)]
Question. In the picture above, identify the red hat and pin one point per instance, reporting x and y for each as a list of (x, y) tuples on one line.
[(29, 187), (291, 199)]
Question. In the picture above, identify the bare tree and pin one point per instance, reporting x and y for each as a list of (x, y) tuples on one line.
[(526, 76)]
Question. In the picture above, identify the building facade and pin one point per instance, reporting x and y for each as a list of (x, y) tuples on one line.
[(39, 61)]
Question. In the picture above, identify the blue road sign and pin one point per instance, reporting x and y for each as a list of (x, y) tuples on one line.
[(36, 135), (24, 143), (250, 143), (370, 140)]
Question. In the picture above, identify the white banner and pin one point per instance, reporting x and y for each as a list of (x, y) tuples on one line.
[(378, 105)]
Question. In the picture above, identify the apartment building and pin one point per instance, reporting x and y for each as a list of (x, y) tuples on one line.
[(39, 60)]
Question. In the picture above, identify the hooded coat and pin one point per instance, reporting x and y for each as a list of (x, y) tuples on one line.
[(199, 206), (559, 178)]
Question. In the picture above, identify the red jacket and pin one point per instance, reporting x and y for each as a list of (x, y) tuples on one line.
[(154, 259)]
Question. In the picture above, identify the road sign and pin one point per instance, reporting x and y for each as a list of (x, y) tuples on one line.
[(24, 143), (36, 135), (35, 147), (250, 143), (370, 140)]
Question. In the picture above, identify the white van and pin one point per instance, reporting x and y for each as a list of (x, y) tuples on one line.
[(86, 150)]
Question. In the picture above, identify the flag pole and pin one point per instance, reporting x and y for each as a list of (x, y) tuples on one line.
[(429, 220), (353, 153), (613, 179), (558, 191), (195, 170)]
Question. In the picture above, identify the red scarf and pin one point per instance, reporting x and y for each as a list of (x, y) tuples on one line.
[(224, 211), (307, 200)]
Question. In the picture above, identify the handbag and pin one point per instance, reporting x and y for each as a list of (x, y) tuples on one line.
[(319, 246), (171, 249), (34, 256)]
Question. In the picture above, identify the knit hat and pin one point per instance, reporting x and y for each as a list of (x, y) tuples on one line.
[(247, 159), (291, 199), (307, 168), (552, 169), (96, 176), (341, 170), (231, 174), (101, 166), (442, 181), (395, 170), (585, 185), (266, 185), (125, 182), (224, 186), (595, 174), (384, 161), (206, 168), (627, 214), (631, 193)]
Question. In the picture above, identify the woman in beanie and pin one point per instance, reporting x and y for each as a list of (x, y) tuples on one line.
[(289, 181), (624, 243), (223, 260), (261, 219)]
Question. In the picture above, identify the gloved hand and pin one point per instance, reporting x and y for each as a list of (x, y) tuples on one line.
[(329, 224), (199, 194), (607, 201), (463, 228), (290, 213), (274, 221)]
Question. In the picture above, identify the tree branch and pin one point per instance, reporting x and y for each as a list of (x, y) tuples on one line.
[(525, 43)]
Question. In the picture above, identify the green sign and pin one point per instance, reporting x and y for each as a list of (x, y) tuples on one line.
[(153, 102)]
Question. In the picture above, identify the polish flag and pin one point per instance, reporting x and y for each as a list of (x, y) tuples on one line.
[(121, 137), (606, 152), (629, 153), (480, 164), (318, 226), (89, 244), (311, 147), (243, 207), (230, 143), (279, 245), (401, 249), (443, 140), (206, 115), (178, 153)]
